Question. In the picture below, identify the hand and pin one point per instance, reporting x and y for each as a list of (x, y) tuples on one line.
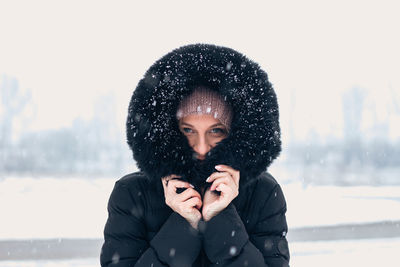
[(225, 181), (187, 203)]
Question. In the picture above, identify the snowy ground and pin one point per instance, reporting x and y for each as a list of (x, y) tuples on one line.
[(332, 205), (53, 208), (366, 253), (76, 208)]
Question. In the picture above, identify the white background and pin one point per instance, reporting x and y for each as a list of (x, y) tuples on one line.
[(70, 52)]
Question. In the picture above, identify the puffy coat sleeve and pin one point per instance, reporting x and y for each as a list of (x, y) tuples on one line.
[(227, 243), (125, 243)]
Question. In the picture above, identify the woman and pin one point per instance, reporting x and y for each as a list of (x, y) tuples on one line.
[(203, 127)]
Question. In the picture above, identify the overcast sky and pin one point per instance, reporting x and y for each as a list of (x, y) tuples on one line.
[(69, 52)]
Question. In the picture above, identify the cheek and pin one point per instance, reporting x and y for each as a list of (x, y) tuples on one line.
[(190, 140), (214, 140)]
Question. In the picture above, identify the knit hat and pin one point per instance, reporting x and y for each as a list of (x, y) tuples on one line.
[(206, 101)]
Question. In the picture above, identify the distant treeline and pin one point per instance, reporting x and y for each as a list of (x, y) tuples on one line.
[(375, 162), (93, 146), (87, 147), (375, 154), (96, 146)]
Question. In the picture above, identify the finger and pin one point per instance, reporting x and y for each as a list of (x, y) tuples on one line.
[(226, 168), (222, 167), (225, 180), (170, 177), (165, 180), (188, 193), (227, 190), (216, 175), (194, 202), (172, 186), (234, 173), (174, 183), (164, 183)]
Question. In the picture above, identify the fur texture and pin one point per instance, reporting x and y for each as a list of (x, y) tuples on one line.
[(160, 149)]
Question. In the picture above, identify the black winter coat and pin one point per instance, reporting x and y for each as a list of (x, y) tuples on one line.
[(141, 229)]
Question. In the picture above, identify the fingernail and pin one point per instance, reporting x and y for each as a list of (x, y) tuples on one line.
[(218, 167), (192, 186), (208, 178)]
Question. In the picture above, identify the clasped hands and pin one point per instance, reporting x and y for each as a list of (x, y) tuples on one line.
[(189, 203)]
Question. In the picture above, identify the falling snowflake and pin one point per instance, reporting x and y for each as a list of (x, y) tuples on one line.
[(115, 258), (172, 252), (232, 250), (268, 244)]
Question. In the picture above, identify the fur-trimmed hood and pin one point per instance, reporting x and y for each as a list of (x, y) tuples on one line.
[(158, 146)]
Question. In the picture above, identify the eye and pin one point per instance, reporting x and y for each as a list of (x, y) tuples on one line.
[(187, 130), (218, 131)]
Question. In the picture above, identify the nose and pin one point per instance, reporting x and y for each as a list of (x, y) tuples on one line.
[(201, 147)]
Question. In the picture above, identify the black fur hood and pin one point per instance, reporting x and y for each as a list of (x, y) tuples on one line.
[(158, 146)]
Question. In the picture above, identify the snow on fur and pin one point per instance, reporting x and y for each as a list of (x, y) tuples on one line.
[(152, 129)]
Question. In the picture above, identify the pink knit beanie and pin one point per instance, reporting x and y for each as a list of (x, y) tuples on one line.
[(206, 101)]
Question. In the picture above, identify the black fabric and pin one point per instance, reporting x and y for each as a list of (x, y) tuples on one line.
[(225, 228), (142, 230), (173, 248)]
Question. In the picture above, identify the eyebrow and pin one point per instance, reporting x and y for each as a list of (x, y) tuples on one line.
[(214, 125)]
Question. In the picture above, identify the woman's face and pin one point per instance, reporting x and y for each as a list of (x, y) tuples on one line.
[(203, 132)]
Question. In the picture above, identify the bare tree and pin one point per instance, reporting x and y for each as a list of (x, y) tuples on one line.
[(13, 102), (353, 105)]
